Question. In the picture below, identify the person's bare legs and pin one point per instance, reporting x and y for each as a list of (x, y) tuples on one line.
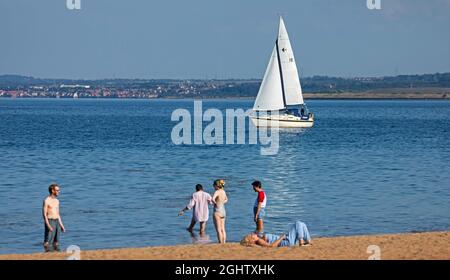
[(216, 219), (259, 225), (219, 222), (302, 234), (202, 227), (222, 227), (191, 226)]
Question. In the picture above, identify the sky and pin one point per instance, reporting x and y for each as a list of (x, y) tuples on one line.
[(221, 39)]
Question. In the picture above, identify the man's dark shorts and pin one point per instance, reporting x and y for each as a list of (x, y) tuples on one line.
[(52, 236)]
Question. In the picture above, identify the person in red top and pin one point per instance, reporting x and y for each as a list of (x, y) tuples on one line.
[(259, 207)]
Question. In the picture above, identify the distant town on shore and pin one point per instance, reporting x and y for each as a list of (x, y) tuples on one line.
[(428, 86)]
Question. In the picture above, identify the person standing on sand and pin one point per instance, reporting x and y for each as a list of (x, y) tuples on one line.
[(259, 208), (52, 219), (219, 199), (199, 201)]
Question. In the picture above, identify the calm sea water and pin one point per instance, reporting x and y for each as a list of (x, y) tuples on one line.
[(366, 167)]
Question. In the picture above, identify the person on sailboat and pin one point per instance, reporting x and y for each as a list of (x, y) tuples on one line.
[(296, 232)]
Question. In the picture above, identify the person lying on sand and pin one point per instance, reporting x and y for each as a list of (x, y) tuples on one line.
[(297, 232)]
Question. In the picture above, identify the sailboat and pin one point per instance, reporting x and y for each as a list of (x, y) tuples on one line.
[(280, 101)]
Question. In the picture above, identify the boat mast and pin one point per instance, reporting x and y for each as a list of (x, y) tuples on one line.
[(281, 74)]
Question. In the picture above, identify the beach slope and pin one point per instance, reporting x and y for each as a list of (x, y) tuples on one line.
[(407, 246)]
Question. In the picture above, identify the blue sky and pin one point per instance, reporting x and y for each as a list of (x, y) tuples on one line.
[(221, 38)]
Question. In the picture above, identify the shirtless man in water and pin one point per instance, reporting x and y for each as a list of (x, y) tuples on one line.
[(52, 219)]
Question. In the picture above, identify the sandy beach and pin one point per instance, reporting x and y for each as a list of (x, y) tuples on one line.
[(406, 246)]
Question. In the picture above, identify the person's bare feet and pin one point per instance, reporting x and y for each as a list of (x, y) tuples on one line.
[(56, 248), (46, 248), (190, 229), (303, 243)]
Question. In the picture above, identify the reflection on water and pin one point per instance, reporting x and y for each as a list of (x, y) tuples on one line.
[(200, 238), (295, 130)]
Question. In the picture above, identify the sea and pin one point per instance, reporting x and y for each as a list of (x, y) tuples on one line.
[(366, 167)]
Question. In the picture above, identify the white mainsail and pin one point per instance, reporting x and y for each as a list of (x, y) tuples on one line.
[(270, 94), (292, 88)]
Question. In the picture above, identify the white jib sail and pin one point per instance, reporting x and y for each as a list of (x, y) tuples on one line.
[(292, 88), (270, 95)]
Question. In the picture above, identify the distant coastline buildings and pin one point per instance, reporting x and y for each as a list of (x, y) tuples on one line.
[(14, 86)]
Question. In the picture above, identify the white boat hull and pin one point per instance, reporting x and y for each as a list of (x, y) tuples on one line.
[(283, 121)]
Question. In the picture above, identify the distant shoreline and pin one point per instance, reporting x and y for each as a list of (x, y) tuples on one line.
[(424, 86), (380, 94)]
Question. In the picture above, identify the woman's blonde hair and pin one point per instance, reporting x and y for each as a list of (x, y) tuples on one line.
[(219, 183), (247, 240)]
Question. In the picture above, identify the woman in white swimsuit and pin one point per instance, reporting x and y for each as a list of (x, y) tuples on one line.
[(219, 199)]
